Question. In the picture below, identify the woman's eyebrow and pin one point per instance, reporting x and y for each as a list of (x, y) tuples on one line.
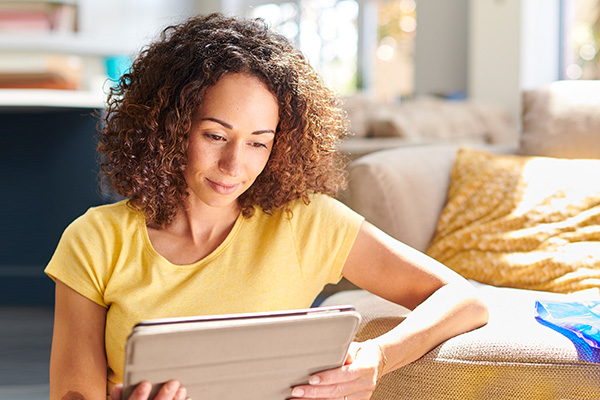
[(229, 126), (263, 131), (218, 121)]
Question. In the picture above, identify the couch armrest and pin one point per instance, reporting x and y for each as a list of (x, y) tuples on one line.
[(512, 357)]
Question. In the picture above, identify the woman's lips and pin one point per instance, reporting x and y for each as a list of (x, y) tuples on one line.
[(222, 188)]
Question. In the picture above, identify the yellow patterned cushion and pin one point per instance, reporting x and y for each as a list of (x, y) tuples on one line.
[(524, 222)]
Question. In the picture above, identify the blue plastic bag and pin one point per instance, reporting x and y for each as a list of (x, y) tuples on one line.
[(582, 318)]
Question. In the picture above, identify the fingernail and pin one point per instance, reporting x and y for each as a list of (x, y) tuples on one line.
[(172, 386), (297, 392), (145, 387), (181, 394), (313, 380)]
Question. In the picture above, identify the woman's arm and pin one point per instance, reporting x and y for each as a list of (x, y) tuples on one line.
[(443, 304), (78, 359)]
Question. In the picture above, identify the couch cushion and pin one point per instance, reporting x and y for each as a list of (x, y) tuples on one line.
[(402, 191), (512, 357), (523, 222), (562, 119)]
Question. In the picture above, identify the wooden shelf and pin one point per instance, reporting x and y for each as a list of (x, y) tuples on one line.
[(51, 99)]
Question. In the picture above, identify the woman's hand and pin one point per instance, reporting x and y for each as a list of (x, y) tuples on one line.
[(355, 380), (172, 390)]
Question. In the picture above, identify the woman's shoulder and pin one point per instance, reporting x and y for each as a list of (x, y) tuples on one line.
[(120, 209), (292, 209), (317, 206), (118, 215), (319, 202), (313, 201)]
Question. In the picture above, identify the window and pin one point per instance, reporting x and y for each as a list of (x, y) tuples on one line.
[(396, 28), (580, 38), (354, 44), (325, 31)]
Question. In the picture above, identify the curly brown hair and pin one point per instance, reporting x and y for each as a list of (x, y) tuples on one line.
[(144, 138)]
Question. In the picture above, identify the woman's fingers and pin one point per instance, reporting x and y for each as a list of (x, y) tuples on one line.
[(181, 394), (171, 390), (335, 391), (356, 379), (141, 391), (366, 395), (348, 380), (117, 392)]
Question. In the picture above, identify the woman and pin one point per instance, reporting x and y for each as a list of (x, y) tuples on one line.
[(222, 139)]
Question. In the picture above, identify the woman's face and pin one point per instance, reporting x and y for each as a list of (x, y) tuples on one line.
[(231, 139)]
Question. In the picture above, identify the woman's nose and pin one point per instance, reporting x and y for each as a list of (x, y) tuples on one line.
[(231, 160)]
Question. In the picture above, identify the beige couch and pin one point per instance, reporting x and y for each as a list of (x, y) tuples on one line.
[(404, 191), (424, 120)]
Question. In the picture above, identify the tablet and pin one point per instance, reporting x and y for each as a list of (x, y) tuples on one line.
[(239, 356)]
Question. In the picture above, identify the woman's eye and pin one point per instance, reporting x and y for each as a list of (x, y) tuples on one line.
[(215, 137), (258, 145)]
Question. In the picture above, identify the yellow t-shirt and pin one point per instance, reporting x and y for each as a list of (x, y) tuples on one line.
[(267, 262)]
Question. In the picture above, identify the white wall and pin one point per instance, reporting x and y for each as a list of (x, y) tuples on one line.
[(495, 53), (441, 46), (540, 36), (209, 6), (513, 45), (130, 24)]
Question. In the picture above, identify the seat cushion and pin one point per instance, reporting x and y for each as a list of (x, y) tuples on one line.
[(512, 357)]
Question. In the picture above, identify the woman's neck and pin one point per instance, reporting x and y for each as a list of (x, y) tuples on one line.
[(199, 220), (196, 231)]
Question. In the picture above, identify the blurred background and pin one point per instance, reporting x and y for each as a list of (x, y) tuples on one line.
[(58, 58)]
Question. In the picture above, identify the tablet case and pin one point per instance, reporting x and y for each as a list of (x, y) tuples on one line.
[(251, 356)]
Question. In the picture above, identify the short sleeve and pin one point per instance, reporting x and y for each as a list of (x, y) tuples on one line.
[(78, 260), (324, 232)]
